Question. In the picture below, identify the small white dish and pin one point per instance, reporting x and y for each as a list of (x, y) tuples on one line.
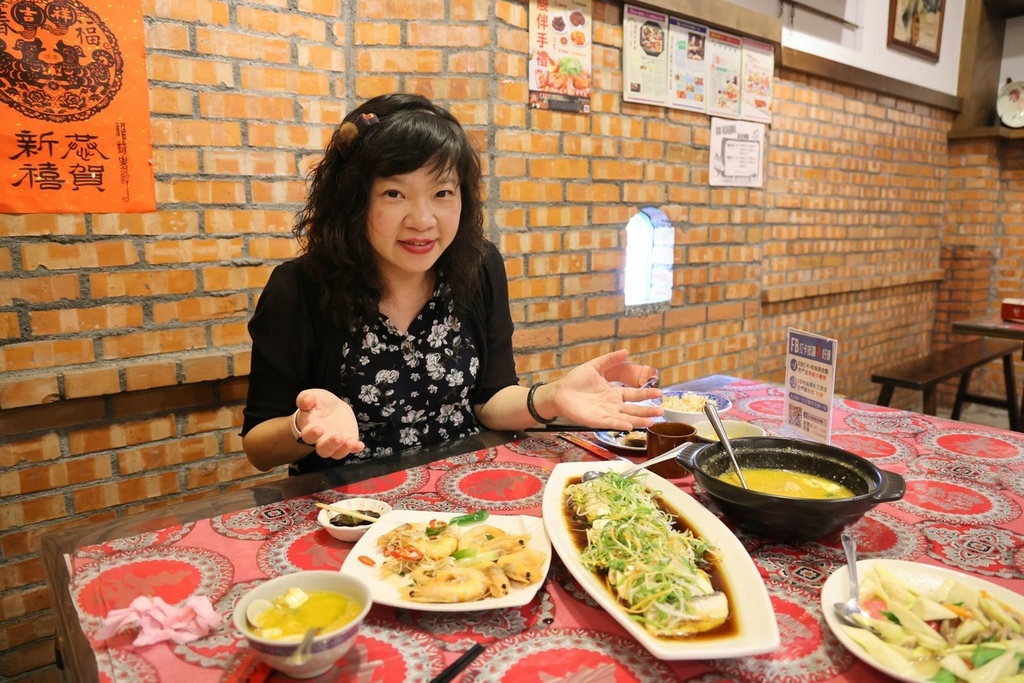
[(351, 534), (734, 429), (614, 439)]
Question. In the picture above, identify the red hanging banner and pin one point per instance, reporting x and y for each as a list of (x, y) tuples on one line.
[(74, 108)]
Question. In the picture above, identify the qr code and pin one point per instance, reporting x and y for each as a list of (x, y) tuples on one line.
[(795, 413)]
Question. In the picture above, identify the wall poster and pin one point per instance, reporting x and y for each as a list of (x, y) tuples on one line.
[(725, 53), (737, 153), (688, 72), (560, 55), (644, 56), (758, 70), (74, 106)]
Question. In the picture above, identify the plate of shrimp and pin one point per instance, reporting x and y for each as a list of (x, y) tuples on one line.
[(417, 560)]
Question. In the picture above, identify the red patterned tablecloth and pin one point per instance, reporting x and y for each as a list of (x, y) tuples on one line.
[(962, 509)]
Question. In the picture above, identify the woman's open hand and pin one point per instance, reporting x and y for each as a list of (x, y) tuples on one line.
[(591, 394), (327, 421)]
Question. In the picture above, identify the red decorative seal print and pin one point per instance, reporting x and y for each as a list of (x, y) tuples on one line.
[(59, 62)]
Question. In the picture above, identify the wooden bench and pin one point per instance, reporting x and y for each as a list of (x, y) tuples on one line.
[(926, 373)]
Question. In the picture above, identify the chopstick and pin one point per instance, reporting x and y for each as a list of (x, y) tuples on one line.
[(351, 513), (559, 428), (456, 667), (603, 453)]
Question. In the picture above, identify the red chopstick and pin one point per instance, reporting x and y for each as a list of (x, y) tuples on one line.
[(603, 453)]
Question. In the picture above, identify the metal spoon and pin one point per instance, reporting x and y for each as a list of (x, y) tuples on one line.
[(712, 412), (847, 612), (636, 469), (304, 650)]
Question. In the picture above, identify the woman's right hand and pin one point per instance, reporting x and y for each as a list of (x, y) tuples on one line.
[(328, 422)]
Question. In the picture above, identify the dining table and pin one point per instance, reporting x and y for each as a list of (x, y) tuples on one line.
[(993, 325), (961, 510)]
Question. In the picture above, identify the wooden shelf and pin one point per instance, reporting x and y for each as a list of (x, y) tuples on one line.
[(987, 132)]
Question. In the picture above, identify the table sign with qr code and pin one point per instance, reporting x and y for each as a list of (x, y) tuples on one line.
[(810, 384)]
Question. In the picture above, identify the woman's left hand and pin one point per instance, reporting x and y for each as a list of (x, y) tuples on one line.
[(587, 395)]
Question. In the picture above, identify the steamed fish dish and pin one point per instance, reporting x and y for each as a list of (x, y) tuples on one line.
[(953, 633), (658, 573), (442, 562)]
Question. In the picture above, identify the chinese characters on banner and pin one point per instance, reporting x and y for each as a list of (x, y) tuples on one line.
[(560, 62), (74, 106), (810, 384), (676, 63)]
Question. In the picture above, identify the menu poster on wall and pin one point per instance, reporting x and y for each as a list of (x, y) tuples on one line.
[(725, 57), (758, 67), (74, 100), (560, 55), (644, 56), (810, 384), (737, 148), (688, 69)]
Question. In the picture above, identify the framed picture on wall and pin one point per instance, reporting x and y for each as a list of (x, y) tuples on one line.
[(915, 26)]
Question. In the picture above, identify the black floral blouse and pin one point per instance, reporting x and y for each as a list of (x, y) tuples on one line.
[(413, 388)]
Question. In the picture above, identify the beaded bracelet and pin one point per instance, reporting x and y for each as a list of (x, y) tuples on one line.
[(533, 409)]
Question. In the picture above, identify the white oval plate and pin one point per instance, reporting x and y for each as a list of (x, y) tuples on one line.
[(924, 577), (386, 593), (756, 630)]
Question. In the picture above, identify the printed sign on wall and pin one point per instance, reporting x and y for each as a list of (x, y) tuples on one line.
[(560, 62), (74, 102)]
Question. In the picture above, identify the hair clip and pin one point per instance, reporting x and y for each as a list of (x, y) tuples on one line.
[(349, 132)]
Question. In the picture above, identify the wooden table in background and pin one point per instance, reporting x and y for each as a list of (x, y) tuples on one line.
[(992, 325)]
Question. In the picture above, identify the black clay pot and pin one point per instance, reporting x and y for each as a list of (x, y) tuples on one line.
[(791, 518)]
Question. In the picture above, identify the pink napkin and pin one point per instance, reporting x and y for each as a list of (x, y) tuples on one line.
[(160, 621)]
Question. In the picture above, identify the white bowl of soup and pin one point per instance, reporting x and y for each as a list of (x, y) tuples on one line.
[(275, 616), (734, 429), (799, 490)]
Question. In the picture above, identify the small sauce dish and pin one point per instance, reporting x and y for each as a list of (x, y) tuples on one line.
[(351, 530)]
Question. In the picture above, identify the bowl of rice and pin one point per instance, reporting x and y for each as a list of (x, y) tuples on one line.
[(688, 406)]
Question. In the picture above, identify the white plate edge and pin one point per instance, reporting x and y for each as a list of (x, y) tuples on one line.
[(754, 637)]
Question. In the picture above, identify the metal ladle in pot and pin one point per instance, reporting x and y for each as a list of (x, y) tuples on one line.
[(716, 423)]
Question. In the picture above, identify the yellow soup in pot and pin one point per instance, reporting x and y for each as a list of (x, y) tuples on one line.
[(788, 483), (297, 611)]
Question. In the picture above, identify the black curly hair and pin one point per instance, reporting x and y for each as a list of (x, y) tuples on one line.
[(409, 132)]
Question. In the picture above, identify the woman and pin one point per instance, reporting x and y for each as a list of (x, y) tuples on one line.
[(392, 331)]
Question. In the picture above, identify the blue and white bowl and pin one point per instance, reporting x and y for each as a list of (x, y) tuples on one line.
[(693, 417), (327, 647)]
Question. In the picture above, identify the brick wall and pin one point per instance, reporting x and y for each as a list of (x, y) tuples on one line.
[(122, 337)]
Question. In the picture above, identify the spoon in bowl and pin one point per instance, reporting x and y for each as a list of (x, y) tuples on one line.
[(850, 612), (304, 650), (716, 423)]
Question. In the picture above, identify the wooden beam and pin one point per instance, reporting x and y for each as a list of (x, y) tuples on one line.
[(724, 16), (844, 73)]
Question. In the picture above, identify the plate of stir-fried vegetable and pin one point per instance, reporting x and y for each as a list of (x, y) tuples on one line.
[(667, 569), (930, 623)]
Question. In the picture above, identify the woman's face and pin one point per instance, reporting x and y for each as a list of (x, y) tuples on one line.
[(412, 219)]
